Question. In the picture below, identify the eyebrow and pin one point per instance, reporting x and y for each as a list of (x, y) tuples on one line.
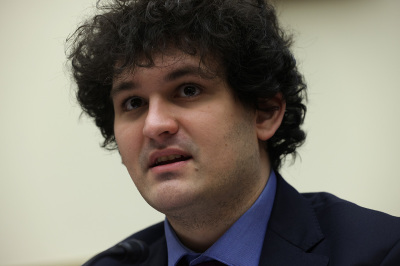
[(123, 86), (185, 70)]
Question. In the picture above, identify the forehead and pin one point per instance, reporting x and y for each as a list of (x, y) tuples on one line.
[(168, 67)]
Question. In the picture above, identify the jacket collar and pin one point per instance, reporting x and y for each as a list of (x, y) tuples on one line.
[(293, 235), (293, 232)]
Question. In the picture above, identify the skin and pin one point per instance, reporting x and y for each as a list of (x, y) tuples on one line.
[(177, 108)]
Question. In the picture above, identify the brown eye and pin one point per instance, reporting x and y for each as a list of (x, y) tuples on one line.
[(188, 91), (134, 103)]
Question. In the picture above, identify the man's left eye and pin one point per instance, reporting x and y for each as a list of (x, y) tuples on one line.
[(188, 91)]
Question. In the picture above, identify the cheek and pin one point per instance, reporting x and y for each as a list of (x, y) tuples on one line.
[(210, 121), (128, 141), (212, 136)]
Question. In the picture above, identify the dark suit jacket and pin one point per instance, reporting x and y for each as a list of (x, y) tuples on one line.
[(309, 229)]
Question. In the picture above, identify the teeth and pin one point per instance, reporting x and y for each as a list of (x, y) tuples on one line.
[(167, 158)]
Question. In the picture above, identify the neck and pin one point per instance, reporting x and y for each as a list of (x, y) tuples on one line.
[(199, 228)]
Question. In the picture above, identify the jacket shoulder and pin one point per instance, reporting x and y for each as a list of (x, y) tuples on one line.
[(331, 208), (154, 238), (353, 230), (150, 234)]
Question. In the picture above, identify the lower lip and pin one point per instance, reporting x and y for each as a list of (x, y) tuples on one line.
[(171, 167)]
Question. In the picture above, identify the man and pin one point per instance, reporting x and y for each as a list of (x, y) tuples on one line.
[(203, 101)]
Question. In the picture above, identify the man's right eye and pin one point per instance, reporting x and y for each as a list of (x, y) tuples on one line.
[(133, 103)]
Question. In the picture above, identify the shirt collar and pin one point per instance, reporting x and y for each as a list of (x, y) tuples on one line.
[(241, 245)]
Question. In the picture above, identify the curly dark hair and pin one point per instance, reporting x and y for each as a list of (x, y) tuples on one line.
[(243, 35)]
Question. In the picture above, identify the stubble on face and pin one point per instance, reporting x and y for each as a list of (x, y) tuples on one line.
[(222, 180), (236, 185)]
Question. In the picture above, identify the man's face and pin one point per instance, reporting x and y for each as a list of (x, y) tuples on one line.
[(184, 138)]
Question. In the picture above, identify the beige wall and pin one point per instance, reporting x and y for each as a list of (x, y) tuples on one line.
[(62, 198), (349, 51)]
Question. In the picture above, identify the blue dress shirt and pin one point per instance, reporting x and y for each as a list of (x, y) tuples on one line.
[(241, 244)]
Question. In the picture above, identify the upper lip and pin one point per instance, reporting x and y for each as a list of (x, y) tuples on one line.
[(154, 156)]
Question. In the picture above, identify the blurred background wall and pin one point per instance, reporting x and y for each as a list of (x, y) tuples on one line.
[(63, 199)]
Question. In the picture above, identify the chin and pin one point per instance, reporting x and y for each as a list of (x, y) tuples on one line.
[(171, 201)]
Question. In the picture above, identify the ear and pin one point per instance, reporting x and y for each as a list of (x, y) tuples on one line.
[(269, 116)]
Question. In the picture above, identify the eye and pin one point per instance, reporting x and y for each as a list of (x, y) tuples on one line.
[(134, 103), (188, 91)]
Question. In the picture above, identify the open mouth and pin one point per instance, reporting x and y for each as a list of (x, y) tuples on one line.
[(163, 160)]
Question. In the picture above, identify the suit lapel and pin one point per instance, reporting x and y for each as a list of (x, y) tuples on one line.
[(157, 254), (293, 234)]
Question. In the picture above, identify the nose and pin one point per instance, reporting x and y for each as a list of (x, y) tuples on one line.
[(160, 121)]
